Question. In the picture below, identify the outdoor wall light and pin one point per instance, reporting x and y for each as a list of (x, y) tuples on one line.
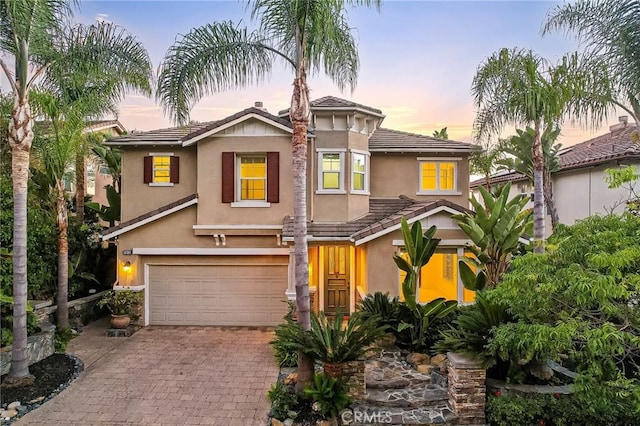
[(127, 266)]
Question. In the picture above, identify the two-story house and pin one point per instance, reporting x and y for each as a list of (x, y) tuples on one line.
[(206, 229)]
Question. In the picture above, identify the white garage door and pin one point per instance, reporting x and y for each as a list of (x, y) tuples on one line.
[(217, 295)]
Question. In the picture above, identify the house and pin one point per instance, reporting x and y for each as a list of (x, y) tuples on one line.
[(579, 187), (206, 209)]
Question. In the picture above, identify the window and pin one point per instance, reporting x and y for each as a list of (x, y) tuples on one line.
[(90, 184), (359, 172), (161, 169), (330, 171), (437, 176), (252, 177)]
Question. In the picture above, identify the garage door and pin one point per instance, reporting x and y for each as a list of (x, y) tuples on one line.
[(217, 295)]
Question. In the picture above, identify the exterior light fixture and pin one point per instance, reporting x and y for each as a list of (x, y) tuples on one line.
[(127, 266)]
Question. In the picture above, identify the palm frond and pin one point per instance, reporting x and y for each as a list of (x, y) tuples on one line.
[(210, 59)]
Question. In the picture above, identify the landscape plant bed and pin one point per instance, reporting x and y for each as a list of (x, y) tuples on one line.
[(52, 375)]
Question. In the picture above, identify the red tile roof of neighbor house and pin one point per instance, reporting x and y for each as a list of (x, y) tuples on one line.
[(614, 145), (383, 214)]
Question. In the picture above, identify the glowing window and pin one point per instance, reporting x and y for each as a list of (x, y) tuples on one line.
[(437, 176), (330, 171), (161, 169), (358, 172), (253, 177)]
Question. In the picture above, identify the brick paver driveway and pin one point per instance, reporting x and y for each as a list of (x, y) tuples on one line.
[(166, 375)]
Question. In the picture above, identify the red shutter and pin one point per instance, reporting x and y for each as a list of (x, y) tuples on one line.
[(174, 170), (228, 177), (273, 177), (148, 169)]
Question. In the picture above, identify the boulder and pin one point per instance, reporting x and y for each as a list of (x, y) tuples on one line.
[(387, 340), (291, 379), (541, 371), (8, 413), (13, 405), (416, 358), (425, 368), (276, 422)]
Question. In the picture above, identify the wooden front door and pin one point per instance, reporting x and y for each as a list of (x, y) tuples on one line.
[(336, 282)]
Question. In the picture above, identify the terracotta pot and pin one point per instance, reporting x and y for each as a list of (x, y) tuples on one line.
[(333, 369), (120, 321)]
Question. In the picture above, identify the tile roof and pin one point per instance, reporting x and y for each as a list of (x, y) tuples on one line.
[(177, 135), (613, 145), (148, 215), (387, 140), (328, 102), (383, 214)]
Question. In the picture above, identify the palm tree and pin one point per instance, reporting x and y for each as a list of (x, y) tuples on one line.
[(519, 146), (441, 134), (306, 35), (97, 65), (26, 34), (610, 31), (517, 86), (486, 161)]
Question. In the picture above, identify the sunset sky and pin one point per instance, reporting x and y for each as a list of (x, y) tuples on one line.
[(418, 58)]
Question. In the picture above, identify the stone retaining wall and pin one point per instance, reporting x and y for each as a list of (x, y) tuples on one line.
[(353, 375), (81, 311), (40, 346), (467, 389)]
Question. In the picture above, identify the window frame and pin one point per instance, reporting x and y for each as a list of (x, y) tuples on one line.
[(366, 173), (341, 173), (153, 168), (438, 161), (238, 201)]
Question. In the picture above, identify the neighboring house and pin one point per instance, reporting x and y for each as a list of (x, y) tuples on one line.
[(96, 176), (579, 187), (206, 210)]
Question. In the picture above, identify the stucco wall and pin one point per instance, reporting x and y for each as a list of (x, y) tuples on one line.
[(138, 197), (211, 209), (398, 174)]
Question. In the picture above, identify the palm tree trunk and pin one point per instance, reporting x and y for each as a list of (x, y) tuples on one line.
[(299, 114), (549, 201), (62, 221), (487, 181), (80, 185), (20, 138), (538, 192)]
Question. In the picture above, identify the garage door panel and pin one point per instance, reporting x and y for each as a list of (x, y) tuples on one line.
[(217, 295)]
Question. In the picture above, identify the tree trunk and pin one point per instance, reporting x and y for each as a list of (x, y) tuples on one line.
[(80, 186), (20, 138), (538, 192), (487, 181), (549, 201), (62, 221)]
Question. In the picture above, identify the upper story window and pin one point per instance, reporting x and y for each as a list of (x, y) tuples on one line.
[(331, 171), (359, 172), (250, 179), (437, 175), (161, 169)]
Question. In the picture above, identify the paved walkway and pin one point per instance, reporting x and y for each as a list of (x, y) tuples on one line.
[(166, 376)]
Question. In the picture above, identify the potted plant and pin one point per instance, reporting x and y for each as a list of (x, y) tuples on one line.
[(122, 304)]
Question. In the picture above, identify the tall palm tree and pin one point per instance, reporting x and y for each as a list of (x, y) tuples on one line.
[(306, 35), (518, 86), (610, 31), (97, 65), (519, 146), (26, 34)]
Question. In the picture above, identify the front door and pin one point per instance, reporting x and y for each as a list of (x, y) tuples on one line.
[(336, 282)]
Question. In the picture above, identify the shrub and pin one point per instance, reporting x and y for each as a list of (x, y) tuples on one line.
[(62, 338), (286, 336), (284, 401), (546, 409), (329, 394), (415, 330), (329, 341), (121, 302), (382, 307)]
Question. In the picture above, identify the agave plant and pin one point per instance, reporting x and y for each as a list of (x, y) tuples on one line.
[(332, 342), (495, 229)]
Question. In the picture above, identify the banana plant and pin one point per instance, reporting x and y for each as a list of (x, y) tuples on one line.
[(420, 247), (495, 229)]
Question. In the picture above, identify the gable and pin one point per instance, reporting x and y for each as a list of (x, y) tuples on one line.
[(252, 127)]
